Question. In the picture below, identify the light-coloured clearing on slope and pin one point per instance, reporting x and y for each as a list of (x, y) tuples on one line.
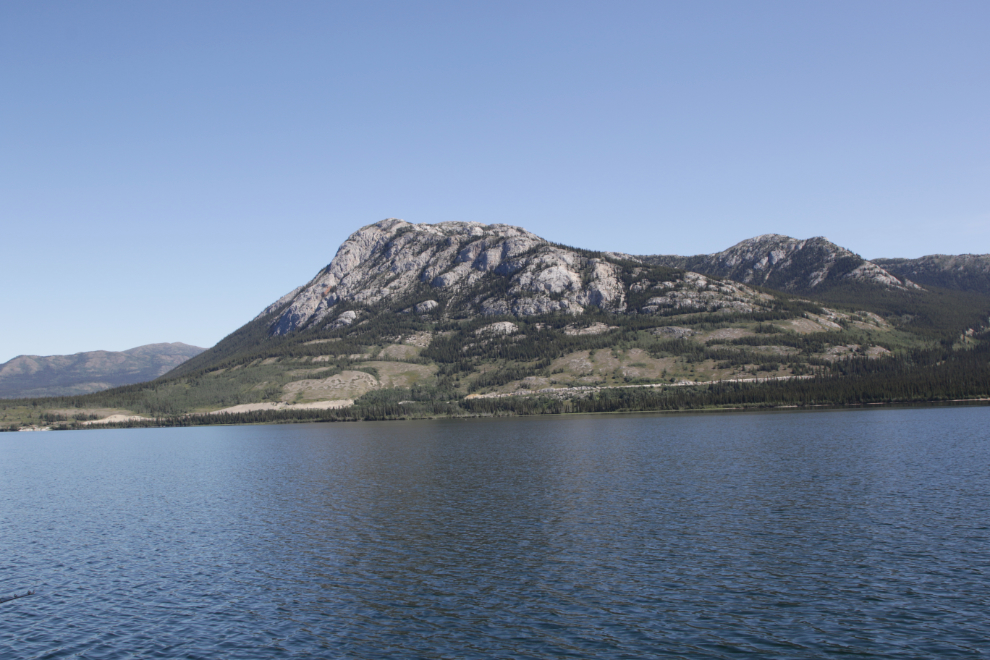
[(612, 367), (99, 412), (869, 321), (421, 339), (308, 373), (331, 358), (585, 390), (854, 350), (806, 326), (345, 385), (783, 351), (313, 405), (727, 333), (593, 329), (399, 351), (636, 363), (401, 374), (115, 419)]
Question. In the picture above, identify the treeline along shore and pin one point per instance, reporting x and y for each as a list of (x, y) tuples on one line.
[(924, 376)]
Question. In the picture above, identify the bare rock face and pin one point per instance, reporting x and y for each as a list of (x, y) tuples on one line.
[(424, 307), (469, 269), (593, 329), (672, 332), (499, 328), (346, 318), (699, 293), (463, 262), (786, 263)]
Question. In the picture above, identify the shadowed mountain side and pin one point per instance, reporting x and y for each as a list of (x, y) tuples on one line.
[(92, 371), (962, 272)]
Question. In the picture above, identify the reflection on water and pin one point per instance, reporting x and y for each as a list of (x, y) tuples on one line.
[(859, 533)]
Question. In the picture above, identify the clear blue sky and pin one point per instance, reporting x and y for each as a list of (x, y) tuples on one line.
[(168, 169)]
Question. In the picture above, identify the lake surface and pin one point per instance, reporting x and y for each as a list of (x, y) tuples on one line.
[(789, 535)]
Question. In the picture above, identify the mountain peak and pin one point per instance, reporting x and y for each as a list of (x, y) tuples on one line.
[(393, 260), (787, 263), (470, 268)]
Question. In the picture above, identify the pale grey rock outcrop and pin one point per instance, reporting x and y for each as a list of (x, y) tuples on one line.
[(469, 269), (498, 328), (345, 318), (424, 307), (672, 331), (390, 259), (786, 263), (593, 329), (697, 292)]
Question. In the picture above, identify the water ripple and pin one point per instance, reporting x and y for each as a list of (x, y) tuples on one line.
[(826, 535)]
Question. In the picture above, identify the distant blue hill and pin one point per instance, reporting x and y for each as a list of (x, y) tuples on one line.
[(82, 373)]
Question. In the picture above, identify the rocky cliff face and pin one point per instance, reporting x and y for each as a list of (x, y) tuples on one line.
[(963, 272), (786, 263), (467, 268), (81, 373)]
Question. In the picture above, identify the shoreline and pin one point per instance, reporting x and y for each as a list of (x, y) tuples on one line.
[(820, 407)]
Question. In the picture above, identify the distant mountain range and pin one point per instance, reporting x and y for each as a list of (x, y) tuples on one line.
[(82, 373)]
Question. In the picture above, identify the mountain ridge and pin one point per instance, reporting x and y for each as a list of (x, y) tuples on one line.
[(962, 272), (788, 264), (390, 259), (90, 371)]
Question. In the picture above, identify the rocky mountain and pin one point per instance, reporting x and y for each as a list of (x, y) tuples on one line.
[(962, 272), (462, 318), (788, 264), (81, 373), (460, 269)]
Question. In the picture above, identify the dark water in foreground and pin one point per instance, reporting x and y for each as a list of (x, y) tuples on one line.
[(809, 535)]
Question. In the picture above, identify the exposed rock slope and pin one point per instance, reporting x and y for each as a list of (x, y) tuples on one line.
[(81, 373), (464, 268), (786, 263)]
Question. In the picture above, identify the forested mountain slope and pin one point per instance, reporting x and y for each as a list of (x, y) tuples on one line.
[(962, 272)]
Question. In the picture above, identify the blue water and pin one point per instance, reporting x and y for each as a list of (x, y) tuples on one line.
[(799, 535)]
